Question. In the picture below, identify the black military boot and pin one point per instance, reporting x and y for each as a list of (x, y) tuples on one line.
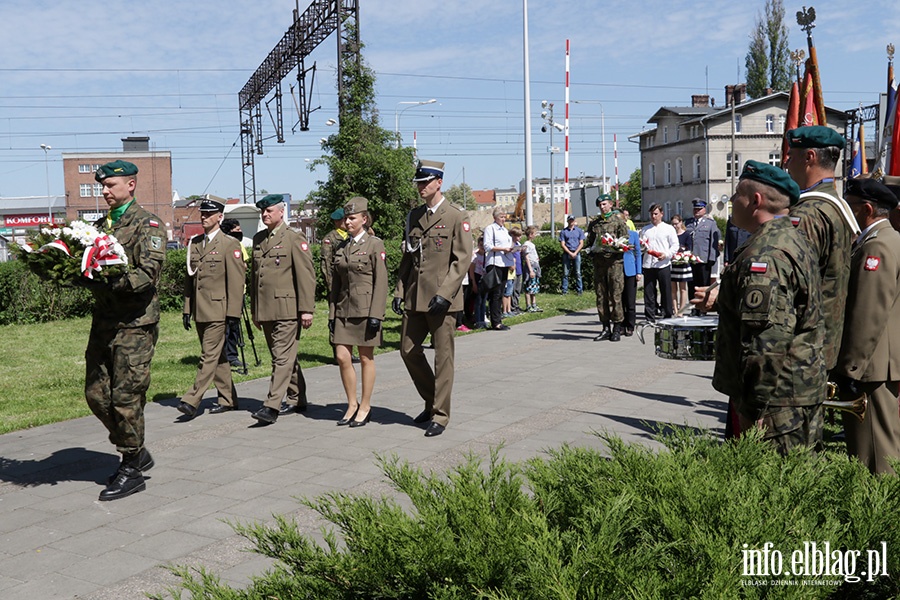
[(128, 480), (145, 463), (616, 334), (605, 334)]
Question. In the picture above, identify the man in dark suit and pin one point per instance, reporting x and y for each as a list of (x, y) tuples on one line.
[(437, 250), (282, 299), (214, 296), (869, 359)]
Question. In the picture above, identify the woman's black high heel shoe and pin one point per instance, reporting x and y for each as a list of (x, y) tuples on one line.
[(348, 421), (361, 423)]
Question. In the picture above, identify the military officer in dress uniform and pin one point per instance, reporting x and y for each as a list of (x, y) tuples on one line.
[(609, 268), (869, 359), (768, 345), (437, 251), (826, 219), (124, 328), (282, 300), (330, 243), (356, 307), (214, 296), (704, 245)]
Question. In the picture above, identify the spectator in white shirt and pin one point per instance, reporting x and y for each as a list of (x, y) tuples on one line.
[(498, 248), (660, 243)]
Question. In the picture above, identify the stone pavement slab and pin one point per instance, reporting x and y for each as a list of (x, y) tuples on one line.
[(535, 387)]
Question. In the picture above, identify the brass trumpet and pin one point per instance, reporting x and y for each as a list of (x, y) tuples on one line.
[(856, 407)]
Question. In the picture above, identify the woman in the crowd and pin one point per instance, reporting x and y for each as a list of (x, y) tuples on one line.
[(681, 273), (358, 297)]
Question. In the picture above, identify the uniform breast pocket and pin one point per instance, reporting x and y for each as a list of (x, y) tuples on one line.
[(440, 242)]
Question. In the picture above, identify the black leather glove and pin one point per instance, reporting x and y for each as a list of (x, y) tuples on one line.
[(848, 388), (397, 306), (233, 321), (373, 325), (331, 325), (438, 305), (186, 321)]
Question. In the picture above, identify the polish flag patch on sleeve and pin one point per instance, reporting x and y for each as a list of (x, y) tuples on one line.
[(759, 267), (795, 221), (153, 223), (304, 246), (872, 263)]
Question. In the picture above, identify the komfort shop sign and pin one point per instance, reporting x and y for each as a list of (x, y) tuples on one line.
[(32, 220)]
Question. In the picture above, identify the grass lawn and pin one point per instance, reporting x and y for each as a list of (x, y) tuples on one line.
[(42, 372)]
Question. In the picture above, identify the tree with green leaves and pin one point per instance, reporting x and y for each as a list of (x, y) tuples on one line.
[(461, 195), (362, 161), (768, 57), (630, 194)]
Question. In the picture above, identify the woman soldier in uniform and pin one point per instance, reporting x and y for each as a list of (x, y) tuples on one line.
[(358, 297)]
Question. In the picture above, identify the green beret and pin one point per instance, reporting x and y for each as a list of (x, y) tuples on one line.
[(605, 197), (773, 176), (116, 168), (815, 136), (269, 200), (337, 215)]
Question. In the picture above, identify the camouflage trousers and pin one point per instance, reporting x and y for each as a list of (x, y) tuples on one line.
[(609, 282), (117, 375), (787, 427)]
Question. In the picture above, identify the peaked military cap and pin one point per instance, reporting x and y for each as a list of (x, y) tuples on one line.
[(116, 168), (815, 136), (773, 176), (354, 205), (426, 170), (337, 215), (212, 206), (269, 200), (699, 203), (871, 190)]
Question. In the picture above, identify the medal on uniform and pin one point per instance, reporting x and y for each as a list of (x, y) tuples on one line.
[(277, 261)]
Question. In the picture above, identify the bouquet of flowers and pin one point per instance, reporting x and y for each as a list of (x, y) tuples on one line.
[(611, 243), (684, 257), (72, 253)]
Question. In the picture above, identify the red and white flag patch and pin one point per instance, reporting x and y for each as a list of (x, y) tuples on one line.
[(304, 246), (872, 263), (795, 221), (759, 267), (153, 223), (237, 254), (382, 256), (466, 226)]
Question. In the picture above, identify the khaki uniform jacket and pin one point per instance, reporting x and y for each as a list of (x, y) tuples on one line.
[(870, 350), (437, 251), (131, 300), (283, 279), (360, 280), (214, 285)]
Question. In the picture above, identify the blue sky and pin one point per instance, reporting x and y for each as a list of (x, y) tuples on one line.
[(81, 75)]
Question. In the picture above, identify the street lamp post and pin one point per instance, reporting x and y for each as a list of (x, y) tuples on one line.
[(550, 125), (398, 112), (46, 149)]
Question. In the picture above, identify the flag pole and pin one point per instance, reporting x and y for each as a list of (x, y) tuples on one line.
[(806, 19)]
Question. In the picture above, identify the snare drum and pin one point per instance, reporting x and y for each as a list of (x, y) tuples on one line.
[(687, 338)]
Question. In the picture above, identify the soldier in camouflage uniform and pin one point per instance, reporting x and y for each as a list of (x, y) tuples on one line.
[(827, 221), (609, 273), (125, 328), (771, 328)]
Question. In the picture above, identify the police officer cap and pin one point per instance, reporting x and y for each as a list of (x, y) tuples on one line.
[(354, 205), (426, 170), (872, 191), (815, 136), (337, 215), (773, 176), (269, 200), (212, 206), (699, 203), (116, 168)]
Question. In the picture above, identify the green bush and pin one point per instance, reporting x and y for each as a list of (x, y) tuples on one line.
[(26, 299), (635, 524), (550, 254)]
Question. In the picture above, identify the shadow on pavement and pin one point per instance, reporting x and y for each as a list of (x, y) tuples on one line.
[(69, 464)]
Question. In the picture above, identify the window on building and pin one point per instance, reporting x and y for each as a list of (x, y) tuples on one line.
[(98, 189), (732, 165), (667, 172), (85, 190), (696, 172), (770, 123), (737, 123), (775, 158), (677, 133), (679, 171), (667, 211), (679, 208), (651, 176), (84, 169), (665, 134)]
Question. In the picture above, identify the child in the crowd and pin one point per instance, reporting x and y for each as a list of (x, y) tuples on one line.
[(532, 266)]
